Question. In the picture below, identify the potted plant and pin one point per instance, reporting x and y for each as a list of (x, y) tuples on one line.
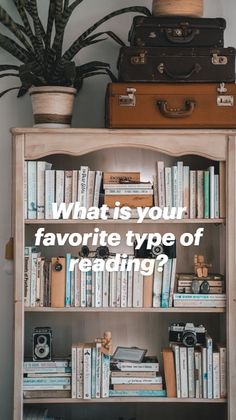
[(50, 74)]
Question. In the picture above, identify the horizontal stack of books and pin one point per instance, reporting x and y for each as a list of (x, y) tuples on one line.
[(195, 372), (47, 379), (90, 371), (200, 191), (136, 379), (44, 286)]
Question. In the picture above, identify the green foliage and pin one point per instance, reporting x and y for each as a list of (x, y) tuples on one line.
[(39, 49)]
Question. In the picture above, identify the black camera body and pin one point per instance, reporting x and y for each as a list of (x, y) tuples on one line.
[(42, 343), (187, 334), (156, 250)]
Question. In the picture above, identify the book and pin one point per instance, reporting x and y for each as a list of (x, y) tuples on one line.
[(83, 185), (132, 374), (205, 303), (166, 284), (183, 371), (58, 283), (32, 189), (90, 189), (97, 187), (179, 184), (25, 190), (131, 200), (216, 374), (191, 376), (209, 355), (73, 371), (46, 364), (168, 188), (157, 286), (120, 177), (172, 282), (138, 367), (136, 380), (130, 286), (212, 191), (87, 370), (79, 370), (46, 394), (105, 377), (175, 348), (169, 372), (200, 194), (206, 194), (74, 186), (128, 186), (68, 187), (98, 374), (138, 387), (137, 393), (123, 289), (186, 190), (174, 185), (68, 281), (223, 370), (193, 195), (161, 184), (147, 291), (222, 189), (60, 187), (49, 193), (41, 167), (217, 197), (137, 290)]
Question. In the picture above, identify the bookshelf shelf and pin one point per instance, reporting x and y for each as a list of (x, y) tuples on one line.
[(120, 400), (126, 310), (128, 150)]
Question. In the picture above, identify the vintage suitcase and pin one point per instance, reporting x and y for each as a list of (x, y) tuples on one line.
[(167, 65), (146, 105), (177, 31)]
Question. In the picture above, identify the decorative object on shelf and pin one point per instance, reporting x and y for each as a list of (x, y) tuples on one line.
[(187, 334), (43, 63), (42, 343), (106, 343), (191, 8), (200, 267)]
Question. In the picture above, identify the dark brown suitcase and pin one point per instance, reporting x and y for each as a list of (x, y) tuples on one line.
[(166, 65), (146, 105), (177, 31)]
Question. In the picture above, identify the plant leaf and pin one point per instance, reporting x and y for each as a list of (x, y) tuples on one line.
[(8, 90), (40, 35), (13, 48), (75, 47), (11, 25), (8, 74), (24, 18), (51, 17)]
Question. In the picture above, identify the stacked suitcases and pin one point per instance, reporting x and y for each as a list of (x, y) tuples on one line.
[(176, 73)]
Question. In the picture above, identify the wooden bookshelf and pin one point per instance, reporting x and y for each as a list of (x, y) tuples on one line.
[(132, 150)]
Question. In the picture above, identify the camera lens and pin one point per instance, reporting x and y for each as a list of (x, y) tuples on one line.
[(157, 250), (42, 339), (189, 339), (41, 351)]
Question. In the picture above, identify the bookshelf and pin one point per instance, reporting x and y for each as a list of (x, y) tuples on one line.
[(126, 150)]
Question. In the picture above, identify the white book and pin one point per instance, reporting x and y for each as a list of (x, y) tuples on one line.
[(34, 260), (112, 289), (186, 191), (193, 195), (157, 286), (130, 287), (73, 372), (183, 372), (38, 282), (196, 297), (199, 303), (49, 192), (168, 187), (180, 184), (155, 190), (174, 185), (41, 302), (93, 288), (166, 284), (161, 184), (118, 289), (98, 289), (137, 290), (128, 191), (209, 367), (32, 189), (89, 289), (105, 382), (136, 380), (172, 282), (83, 185), (60, 187), (41, 168), (191, 378), (105, 289), (138, 367), (212, 191), (79, 371), (217, 197), (90, 191), (175, 348), (72, 287), (124, 289), (98, 369), (200, 194), (200, 375), (197, 373), (68, 187), (77, 286), (74, 186), (216, 375), (87, 372), (223, 371), (83, 279), (97, 186), (93, 390), (25, 190)]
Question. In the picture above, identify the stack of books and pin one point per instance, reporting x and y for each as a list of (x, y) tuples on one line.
[(90, 371), (215, 281), (195, 372), (127, 189), (197, 190), (189, 300), (47, 379), (136, 379)]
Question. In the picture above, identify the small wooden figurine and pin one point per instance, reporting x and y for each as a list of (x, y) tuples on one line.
[(106, 342), (201, 268)]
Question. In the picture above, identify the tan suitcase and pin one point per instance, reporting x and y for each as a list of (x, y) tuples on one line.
[(150, 105)]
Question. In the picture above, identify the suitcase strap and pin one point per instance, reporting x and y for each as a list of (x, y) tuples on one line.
[(187, 111), (179, 36), (162, 68)]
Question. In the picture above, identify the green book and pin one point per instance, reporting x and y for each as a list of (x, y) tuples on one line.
[(206, 194)]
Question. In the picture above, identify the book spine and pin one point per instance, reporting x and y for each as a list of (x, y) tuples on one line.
[(46, 381), (40, 365), (183, 296), (87, 372), (130, 288), (74, 186), (179, 184), (128, 191), (191, 382), (98, 370), (138, 367), (118, 289), (89, 289), (174, 185), (155, 191), (124, 289), (93, 388), (83, 185), (68, 280), (172, 282), (32, 189), (68, 187), (49, 193), (223, 372), (216, 375), (186, 195), (166, 284), (197, 374), (83, 278), (41, 282), (168, 188), (105, 376), (79, 372), (77, 286), (200, 194), (137, 393), (105, 289), (50, 387), (212, 192), (25, 190), (130, 380), (72, 287), (27, 280), (177, 370), (34, 257), (60, 187), (183, 372), (98, 289), (40, 187), (222, 188), (90, 191), (161, 184), (113, 287), (73, 372), (217, 197), (209, 367), (157, 286), (199, 303), (206, 194), (193, 194), (200, 375), (137, 290), (97, 187), (38, 282)]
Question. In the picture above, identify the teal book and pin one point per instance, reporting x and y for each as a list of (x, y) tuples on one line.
[(206, 194), (68, 280), (137, 393)]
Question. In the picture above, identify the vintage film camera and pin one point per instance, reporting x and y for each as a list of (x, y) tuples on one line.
[(42, 343), (187, 334), (156, 250)]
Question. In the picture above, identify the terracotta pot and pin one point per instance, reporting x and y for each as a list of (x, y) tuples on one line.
[(52, 105), (191, 8)]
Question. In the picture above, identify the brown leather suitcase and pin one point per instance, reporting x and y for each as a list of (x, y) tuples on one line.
[(149, 105)]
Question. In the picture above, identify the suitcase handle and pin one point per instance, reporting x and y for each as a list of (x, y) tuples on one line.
[(164, 70), (187, 111), (180, 39)]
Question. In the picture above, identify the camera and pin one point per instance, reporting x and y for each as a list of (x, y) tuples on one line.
[(187, 334), (156, 250), (42, 343)]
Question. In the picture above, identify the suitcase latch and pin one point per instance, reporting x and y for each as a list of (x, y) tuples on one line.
[(225, 100), (129, 99), (139, 59), (219, 60)]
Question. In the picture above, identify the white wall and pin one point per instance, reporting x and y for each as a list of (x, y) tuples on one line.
[(89, 112)]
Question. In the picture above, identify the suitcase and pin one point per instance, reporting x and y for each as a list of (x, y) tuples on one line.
[(166, 65), (177, 31), (146, 105)]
